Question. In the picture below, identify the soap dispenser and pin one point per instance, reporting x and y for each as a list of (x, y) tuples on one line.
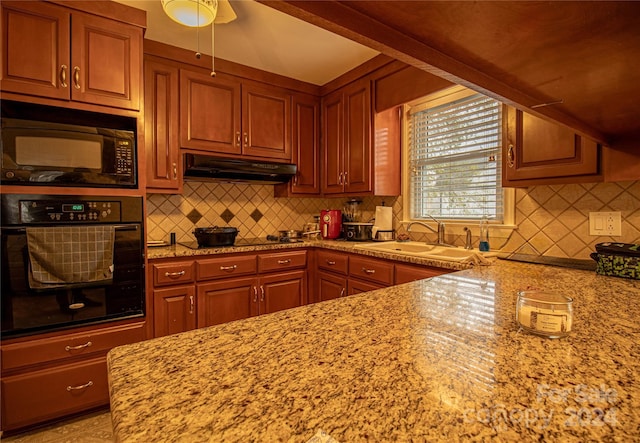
[(484, 234)]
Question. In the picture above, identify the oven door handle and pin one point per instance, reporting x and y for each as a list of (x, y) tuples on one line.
[(16, 230)]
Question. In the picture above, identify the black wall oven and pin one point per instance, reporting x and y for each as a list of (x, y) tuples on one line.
[(29, 307)]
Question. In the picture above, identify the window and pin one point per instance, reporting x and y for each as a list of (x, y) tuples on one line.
[(454, 157)]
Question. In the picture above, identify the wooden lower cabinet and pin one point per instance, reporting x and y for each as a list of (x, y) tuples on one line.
[(357, 286), (51, 393), (330, 286), (227, 300), (282, 291), (174, 310), (58, 374)]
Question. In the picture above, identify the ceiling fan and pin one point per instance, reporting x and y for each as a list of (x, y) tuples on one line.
[(199, 13)]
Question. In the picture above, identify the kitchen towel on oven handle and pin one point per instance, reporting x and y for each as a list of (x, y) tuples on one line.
[(70, 256)]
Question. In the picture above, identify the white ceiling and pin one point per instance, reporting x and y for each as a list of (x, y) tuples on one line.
[(263, 38)]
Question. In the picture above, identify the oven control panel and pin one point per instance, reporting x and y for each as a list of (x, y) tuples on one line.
[(69, 211)]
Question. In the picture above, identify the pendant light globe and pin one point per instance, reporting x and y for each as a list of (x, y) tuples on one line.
[(192, 13)]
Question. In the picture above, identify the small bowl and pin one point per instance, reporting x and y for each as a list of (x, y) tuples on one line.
[(544, 313)]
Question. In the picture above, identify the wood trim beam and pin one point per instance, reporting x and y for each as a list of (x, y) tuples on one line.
[(339, 18)]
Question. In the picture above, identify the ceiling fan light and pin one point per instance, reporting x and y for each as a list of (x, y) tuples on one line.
[(186, 12)]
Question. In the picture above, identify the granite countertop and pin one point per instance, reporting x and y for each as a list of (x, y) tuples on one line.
[(435, 360), (178, 250)]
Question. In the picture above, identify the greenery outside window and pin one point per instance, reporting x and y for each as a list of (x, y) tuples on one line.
[(453, 158)]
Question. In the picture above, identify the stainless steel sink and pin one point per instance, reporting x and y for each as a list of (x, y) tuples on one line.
[(436, 252)]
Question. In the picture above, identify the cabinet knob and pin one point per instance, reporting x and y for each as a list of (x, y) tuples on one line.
[(511, 157), (63, 76), (76, 77)]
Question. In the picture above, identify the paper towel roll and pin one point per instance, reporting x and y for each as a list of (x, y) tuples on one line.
[(384, 220)]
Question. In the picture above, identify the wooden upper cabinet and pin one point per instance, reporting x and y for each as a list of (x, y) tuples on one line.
[(210, 115), (266, 122), (333, 142), (536, 151), (162, 143), (225, 116), (36, 49), (305, 151), (357, 134), (56, 53), (347, 122)]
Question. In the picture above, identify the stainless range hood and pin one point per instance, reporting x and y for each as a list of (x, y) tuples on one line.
[(200, 167)]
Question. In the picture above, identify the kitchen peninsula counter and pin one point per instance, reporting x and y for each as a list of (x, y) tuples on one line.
[(434, 360)]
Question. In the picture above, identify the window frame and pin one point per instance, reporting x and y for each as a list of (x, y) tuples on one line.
[(454, 226)]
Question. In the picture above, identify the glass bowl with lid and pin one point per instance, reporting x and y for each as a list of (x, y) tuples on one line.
[(548, 314)]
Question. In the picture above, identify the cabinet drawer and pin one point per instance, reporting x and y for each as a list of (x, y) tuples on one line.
[(282, 261), (68, 346), (173, 273), (409, 273), (371, 269), (226, 266), (334, 262), (50, 393)]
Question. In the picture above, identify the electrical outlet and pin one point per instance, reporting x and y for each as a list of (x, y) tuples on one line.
[(605, 224)]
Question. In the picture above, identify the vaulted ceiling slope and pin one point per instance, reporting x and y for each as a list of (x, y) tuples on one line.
[(575, 62)]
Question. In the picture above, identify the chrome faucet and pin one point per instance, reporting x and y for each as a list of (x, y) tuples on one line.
[(467, 243), (439, 231)]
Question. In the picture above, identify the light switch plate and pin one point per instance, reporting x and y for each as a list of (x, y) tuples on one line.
[(605, 224)]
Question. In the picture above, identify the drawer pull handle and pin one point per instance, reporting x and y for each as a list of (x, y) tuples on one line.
[(75, 348), (255, 294), (331, 263), (175, 274), (228, 268), (191, 304), (261, 293), (284, 262), (368, 271), (511, 157), (342, 292), (77, 388)]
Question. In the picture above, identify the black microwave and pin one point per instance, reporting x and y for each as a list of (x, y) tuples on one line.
[(56, 154)]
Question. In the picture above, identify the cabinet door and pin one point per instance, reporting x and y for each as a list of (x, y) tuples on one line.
[(357, 286), (174, 310), (209, 113), (228, 300), (35, 49), (330, 286), (282, 291), (536, 149), (357, 137), (162, 145), (266, 122), (107, 59), (306, 136), (332, 139)]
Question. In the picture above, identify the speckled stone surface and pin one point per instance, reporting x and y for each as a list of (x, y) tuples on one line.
[(434, 360), (344, 246)]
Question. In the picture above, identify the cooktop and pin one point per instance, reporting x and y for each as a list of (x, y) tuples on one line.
[(249, 241)]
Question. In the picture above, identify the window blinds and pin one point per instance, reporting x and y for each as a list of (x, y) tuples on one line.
[(455, 159)]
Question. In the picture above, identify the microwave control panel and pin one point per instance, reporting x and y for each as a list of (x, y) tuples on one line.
[(47, 211)]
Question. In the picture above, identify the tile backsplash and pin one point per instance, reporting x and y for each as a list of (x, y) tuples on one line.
[(551, 220)]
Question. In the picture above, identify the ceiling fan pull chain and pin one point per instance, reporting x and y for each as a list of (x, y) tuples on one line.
[(198, 54), (213, 56)]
